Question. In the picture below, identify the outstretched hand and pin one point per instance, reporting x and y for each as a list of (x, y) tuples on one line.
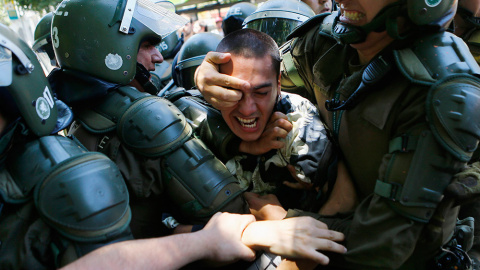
[(294, 238), (218, 89), (276, 129)]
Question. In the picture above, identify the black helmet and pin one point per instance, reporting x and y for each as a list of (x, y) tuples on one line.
[(191, 56), (278, 18), (43, 43), (236, 15)]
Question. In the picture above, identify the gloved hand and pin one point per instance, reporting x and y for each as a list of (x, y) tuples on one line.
[(465, 187)]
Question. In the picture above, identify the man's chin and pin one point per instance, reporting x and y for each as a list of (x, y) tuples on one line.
[(248, 137)]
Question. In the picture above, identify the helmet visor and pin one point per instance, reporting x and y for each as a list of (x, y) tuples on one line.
[(5, 66), (46, 61), (157, 17), (277, 28)]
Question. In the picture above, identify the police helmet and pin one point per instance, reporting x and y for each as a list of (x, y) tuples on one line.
[(278, 18), (236, 15), (43, 43), (101, 38), (191, 56), (24, 90)]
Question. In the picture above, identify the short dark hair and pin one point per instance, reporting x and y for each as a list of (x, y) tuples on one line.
[(250, 43)]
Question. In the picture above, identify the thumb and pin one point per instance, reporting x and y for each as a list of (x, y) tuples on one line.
[(217, 57)]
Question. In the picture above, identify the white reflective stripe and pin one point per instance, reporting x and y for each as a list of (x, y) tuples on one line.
[(5, 42), (127, 16), (48, 96)]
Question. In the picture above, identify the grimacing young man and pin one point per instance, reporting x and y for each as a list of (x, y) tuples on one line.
[(388, 81), (255, 58), (148, 138)]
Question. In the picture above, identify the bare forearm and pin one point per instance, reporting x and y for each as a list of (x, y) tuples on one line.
[(160, 253)]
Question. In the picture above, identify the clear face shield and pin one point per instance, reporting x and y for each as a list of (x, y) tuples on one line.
[(158, 16), (277, 28), (46, 57), (276, 23)]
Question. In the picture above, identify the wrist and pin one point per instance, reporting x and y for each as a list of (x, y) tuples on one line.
[(201, 238), (256, 235)]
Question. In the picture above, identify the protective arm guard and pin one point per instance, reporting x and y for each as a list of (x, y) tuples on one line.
[(439, 151), (197, 181), (80, 194), (199, 184)]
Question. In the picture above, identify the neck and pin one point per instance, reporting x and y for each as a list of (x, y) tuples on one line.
[(374, 44)]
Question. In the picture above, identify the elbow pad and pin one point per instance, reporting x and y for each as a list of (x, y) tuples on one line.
[(80, 194), (200, 184)]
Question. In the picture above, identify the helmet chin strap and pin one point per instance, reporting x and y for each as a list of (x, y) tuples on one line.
[(385, 20), (142, 75)]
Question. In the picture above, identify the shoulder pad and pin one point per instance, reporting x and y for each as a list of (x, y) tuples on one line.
[(452, 106), (325, 20), (104, 117), (153, 126), (31, 163), (426, 62), (85, 198)]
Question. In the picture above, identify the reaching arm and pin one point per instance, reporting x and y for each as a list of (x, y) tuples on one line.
[(218, 241)]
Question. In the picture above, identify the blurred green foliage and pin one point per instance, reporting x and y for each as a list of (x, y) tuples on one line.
[(38, 5)]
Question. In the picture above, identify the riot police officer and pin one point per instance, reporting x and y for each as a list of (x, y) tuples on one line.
[(146, 136), (57, 201)]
